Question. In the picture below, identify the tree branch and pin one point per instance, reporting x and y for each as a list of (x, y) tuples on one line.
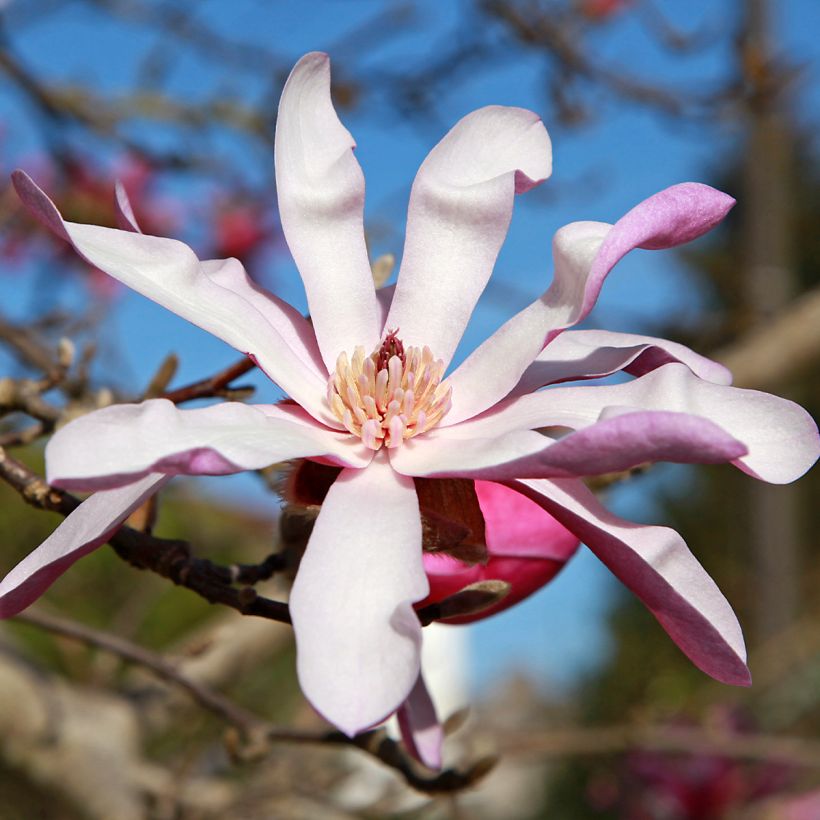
[(168, 558)]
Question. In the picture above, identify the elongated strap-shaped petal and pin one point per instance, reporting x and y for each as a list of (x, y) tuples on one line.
[(584, 253), (420, 729), (656, 564), (118, 444), (357, 637), (87, 528), (780, 436), (321, 200), (215, 295), (460, 209), (619, 442), (592, 354), (294, 328)]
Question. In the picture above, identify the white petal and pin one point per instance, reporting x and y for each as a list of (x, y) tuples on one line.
[(460, 209), (593, 354), (216, 295), (118, 444), (87, 528), (321, 199), (358, 639)]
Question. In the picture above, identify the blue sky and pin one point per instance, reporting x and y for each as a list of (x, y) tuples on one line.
[(600, 171)]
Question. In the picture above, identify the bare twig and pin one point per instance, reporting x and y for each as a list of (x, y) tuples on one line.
[(131, 652), (213, 386), (170, 559), (257, 732), (28, 347)]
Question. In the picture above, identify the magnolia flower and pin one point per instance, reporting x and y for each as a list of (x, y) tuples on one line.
[(366, 380)]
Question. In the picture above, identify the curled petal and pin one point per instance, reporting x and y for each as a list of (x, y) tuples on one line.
[(780, 437), (656, 564), (357, 637), (87, 528), (619, 441), (460, 209), (124, 211), (216, 295), (584, 254), (593, 354), (321, 199), (420, 729), (119, 444)]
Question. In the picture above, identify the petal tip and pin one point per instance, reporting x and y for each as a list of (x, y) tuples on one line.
[(318, 61), (740, 676), (38, 204)]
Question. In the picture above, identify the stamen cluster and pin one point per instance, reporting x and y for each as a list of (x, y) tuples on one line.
[(389, 396)]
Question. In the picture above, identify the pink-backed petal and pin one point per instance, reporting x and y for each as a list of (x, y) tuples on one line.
[(527, 548), (87, 528), (118, 444), (672, 217), (618, 442), (593, 354), (213, 295), (358, 639), (420, 729), (460, 208), (655, 563), (321, 199), (780, 436), (584, 254)]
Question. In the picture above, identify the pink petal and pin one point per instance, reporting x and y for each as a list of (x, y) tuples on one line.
[(780, 436), (358, 639), (526, 545), (593, 354), (460, 209), (618, 442), (516, 527), (118, 444), (657, 566), (321, 199), (420, 729), (584, 254), (673, 217), (216, 295), (87, 528)]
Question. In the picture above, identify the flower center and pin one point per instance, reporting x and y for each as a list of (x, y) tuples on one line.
[(391, 395)]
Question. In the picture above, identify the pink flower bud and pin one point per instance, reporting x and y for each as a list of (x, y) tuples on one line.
[(527, 549)]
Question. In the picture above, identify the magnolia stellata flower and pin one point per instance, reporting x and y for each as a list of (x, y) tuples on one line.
[(369, 395)]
